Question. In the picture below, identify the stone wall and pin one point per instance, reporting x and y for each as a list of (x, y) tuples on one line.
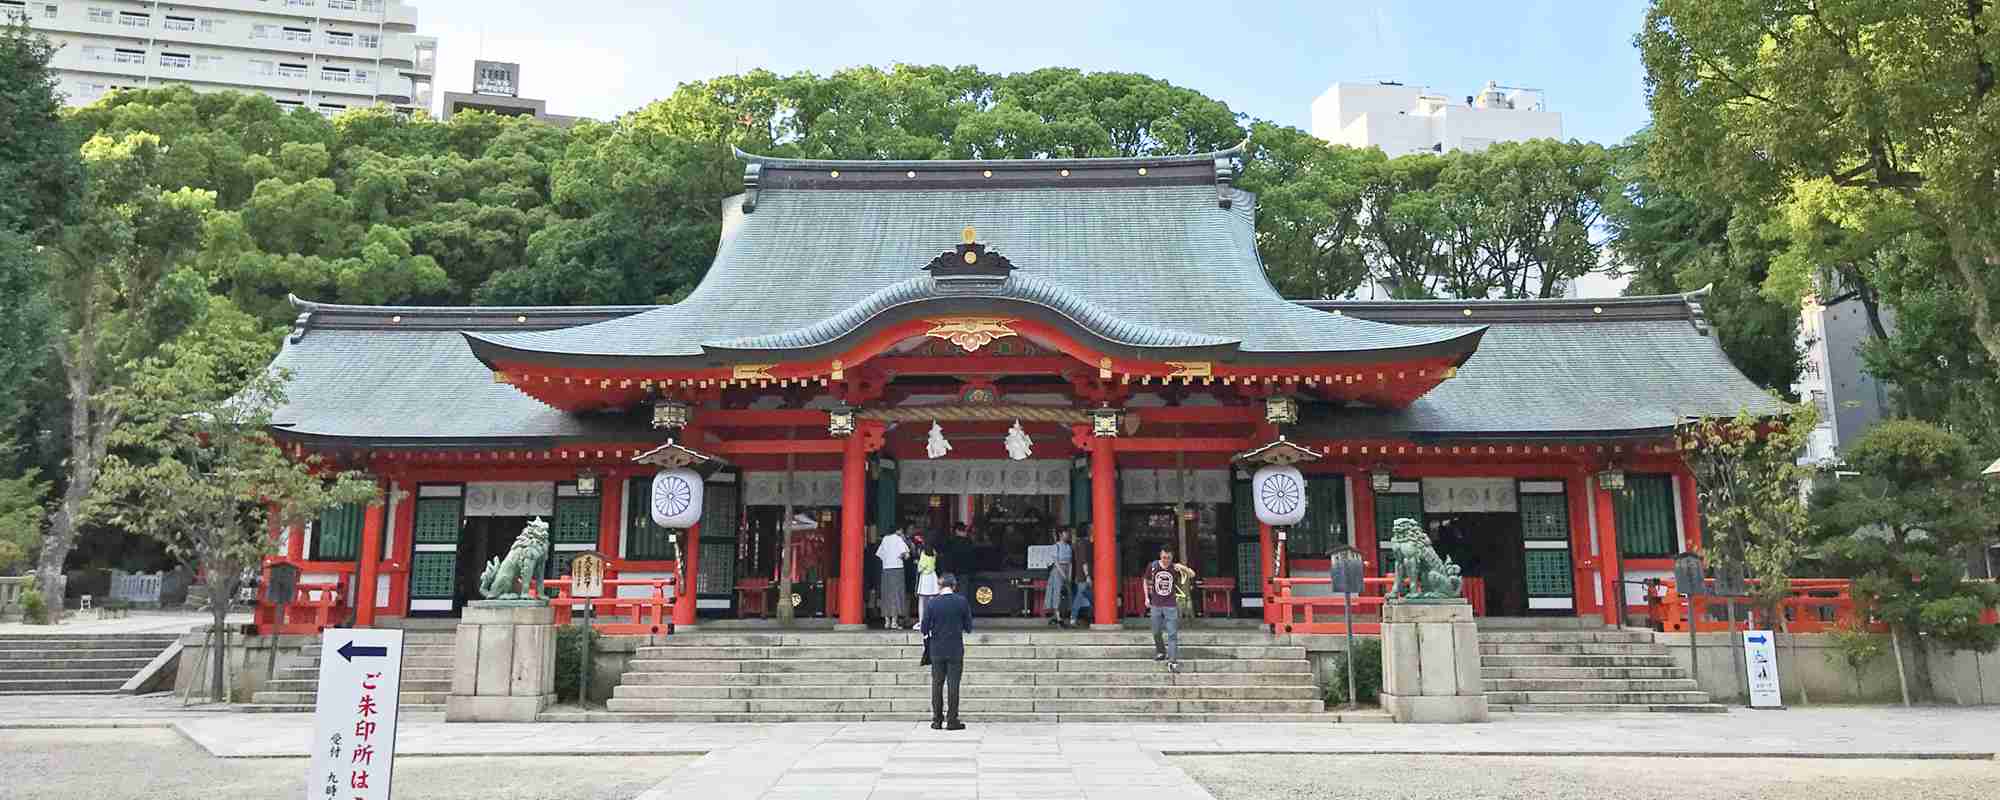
[(249, 662), (1962, 678)]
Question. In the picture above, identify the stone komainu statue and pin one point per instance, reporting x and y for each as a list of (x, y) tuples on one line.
[(515, 577), (1420, 572)]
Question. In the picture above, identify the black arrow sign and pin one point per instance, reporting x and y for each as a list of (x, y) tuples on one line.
[(349, 651)]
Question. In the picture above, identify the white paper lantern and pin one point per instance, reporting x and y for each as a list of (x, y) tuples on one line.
[(676, 498), (1279, 493)]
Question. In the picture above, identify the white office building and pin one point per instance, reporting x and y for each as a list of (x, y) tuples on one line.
[(1410, 119), (325, 55)]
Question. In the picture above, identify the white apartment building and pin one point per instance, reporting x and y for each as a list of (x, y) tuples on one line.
[(1410, 119), (325, 55), (1834, 377)]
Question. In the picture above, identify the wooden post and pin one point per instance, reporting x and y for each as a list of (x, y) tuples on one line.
[(1364, 523), (690, 589), (1609, 569), (1266, 563), (371, 561), (1104, 531), (853, 512), (1690, 508), (610, 514), (1576, 492)]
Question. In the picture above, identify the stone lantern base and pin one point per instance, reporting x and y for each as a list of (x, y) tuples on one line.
[(1430, 662), (504, 667)]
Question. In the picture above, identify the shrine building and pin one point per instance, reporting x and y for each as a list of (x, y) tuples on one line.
[(858, 313)]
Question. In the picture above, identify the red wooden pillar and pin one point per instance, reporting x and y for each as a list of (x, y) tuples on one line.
[(405, 547), (1690, 507), (371, 561), (1608, 569), (1576, 491), (610, 513), (1267, 554), (853, 512), (1364, 522), (295, 542), (687, 598), (1104, 531)]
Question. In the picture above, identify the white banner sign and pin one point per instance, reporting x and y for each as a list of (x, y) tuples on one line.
[(1139, 486), (1470, 496), (983, 476), (510, 499), (354, 721), (1760, 662)]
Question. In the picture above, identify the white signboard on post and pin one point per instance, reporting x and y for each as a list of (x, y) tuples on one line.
[(354, 724), (1760, 662)]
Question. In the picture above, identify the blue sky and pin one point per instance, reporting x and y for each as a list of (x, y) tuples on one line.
[(600, 58)]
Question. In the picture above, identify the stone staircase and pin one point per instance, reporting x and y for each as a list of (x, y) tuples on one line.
[(76, 664), (1009, 677), (427, 659), (1583, 669)]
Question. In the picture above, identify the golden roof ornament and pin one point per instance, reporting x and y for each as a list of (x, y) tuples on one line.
[(971, 234)]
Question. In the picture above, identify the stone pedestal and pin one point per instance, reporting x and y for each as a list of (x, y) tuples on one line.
[(504, 667), (1430, 663)]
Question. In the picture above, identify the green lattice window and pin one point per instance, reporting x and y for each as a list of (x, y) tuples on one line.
[(1549, 573), (437, 520), (719, 515), (1544, 518), (432, 574), (1249, 567), (645, 541), (1388, 509), (1646, 517), (576, 520), (337, 533), (1325, 524)]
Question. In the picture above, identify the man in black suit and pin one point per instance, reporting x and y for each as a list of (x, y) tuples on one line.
[(946, 621)]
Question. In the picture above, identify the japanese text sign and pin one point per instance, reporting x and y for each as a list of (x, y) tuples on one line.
[(354, 725)]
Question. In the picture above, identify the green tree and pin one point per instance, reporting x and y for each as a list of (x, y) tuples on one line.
[(120, 286), (1668, 242), (1750, 489), (20, 519), (1865, 120), (1311, 203), (38, 177), (195, 469), (1903, 529)]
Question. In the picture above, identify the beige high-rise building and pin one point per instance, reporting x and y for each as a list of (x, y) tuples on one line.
[(326, 55)]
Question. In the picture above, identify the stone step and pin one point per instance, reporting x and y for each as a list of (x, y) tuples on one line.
[(1589, 685), (911, 638), (969, 704), (418, 662), (1517, 660), (11, 658), (70, 674), (968, 716), (1607, 708), (1541, 623), (905, 691), (1576, 648), (85, 642), (971, 665), (65, 661), (307, 708), (312, 686), (972, 678), (973, 652), (61, 685), (1564, 637), (308, 699), (409, 673), (1491, 672), (1597, 698)]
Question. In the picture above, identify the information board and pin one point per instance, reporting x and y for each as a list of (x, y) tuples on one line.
[(354, 723), (1760, 662)]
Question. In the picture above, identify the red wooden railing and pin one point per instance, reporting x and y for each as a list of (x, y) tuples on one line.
[(619, 616), (314, 606), (1812, 605), (1323, 613)]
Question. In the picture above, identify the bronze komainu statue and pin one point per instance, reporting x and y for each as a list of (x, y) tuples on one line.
[(516, 577), (1421, 574)]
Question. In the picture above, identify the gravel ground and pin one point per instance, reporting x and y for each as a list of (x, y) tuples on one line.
[(1309, 777), (154, 763)]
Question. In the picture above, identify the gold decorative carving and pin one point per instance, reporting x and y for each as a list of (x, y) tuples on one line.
[(969, 234), (1191, 369), (751, 372), (500, 377), (984, 595), (970, 333), (839, 370)]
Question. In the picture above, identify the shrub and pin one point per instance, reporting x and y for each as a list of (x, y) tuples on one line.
[(34, 610), (569, 659), (1367, 673), (1855, 646)]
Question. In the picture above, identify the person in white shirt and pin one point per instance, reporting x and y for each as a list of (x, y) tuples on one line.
[(893, 551)]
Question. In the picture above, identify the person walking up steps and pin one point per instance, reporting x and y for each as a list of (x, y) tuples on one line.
[(1163, 605), (894, 553)]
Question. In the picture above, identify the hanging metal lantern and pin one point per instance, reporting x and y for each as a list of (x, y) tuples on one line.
[(1279, 493), (676, 498)]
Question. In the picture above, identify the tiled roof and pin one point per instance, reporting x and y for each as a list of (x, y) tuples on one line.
[(1157, 257), (1577, 367)]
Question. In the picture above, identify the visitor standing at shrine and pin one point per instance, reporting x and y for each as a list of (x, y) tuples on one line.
[(894, 552), (945, 625), (1059, 577), (1162, 579), (927, 581)]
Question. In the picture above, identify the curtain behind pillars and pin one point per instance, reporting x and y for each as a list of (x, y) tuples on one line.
[(1079, 494), (882, 498)]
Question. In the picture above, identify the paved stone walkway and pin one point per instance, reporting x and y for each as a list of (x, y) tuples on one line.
[(135, 621)]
